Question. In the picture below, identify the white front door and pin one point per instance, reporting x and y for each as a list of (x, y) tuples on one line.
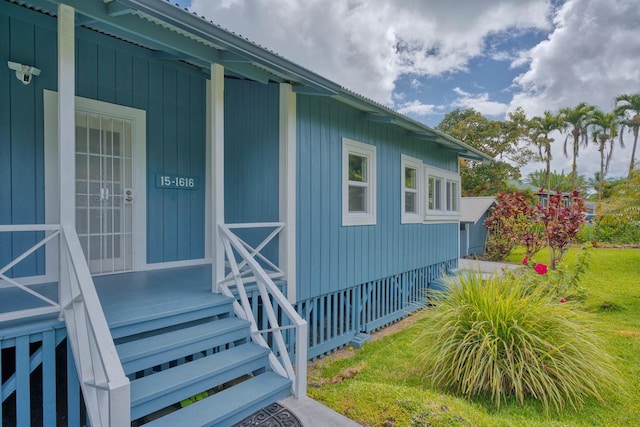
[(110, 186), (104, 191)]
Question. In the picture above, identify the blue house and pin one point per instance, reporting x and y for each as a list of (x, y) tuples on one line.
[(185, 213)]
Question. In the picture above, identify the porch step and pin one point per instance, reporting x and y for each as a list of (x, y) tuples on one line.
[(231, 405), (164, 388), (154, 350), (148, 318)]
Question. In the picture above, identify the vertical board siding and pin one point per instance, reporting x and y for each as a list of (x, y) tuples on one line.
[(21, 156), (5, 145), (109, 70), (251, 133), (478, 236), (463, 240), (332, 257)]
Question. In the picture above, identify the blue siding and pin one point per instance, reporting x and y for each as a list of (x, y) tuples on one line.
[(21, 144), (251, 129), (173, 94), (331, 257), (463, 240), (478, 236)]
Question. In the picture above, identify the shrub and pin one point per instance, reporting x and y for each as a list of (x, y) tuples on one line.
[(504, 339), (611, 230), (563, 282)]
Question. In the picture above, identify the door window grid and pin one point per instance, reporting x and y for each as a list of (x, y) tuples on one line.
[(103, 169)]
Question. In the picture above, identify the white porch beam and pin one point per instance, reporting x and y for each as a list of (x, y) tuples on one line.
[(216, 189), (66, 113), (288, 188)]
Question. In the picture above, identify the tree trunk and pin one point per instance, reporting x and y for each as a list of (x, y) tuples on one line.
[(633, 150), (574, 167)]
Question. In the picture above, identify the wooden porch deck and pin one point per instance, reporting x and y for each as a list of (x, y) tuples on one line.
[(125, 296)]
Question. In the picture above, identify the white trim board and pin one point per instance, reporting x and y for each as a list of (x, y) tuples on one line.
[(288, 187)]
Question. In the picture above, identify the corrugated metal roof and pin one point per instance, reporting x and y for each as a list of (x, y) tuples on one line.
[(472, 208)]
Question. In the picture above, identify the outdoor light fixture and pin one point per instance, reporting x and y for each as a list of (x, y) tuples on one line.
[(24, 73)]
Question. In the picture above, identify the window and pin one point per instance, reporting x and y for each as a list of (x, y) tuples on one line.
[(443, 194), (411, 190), (358, 183)]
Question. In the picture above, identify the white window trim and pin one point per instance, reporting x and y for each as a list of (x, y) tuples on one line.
[(446, 176), (350, 146), (418, 216)]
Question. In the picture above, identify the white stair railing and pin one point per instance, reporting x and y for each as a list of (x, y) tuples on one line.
[(270, 295), (104, 385)]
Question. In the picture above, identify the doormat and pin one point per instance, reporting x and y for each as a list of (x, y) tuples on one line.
[(274, 415)]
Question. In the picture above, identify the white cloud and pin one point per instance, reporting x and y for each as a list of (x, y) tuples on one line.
[(592, 52), (367, 45), (416, 108), (479, 102), (592, 55)]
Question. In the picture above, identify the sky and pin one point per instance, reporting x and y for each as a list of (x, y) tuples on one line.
[(425, 58)]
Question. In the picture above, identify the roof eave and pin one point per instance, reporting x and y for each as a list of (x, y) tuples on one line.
[(195, 24)]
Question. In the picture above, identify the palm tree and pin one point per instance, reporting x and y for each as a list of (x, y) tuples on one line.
[(559, 181), (605, 128), (628, 109), (541, 127), (578, 119)]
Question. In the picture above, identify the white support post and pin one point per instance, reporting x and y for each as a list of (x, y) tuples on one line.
[(66, 131), (66, 113), (288, 188), (216, 190)]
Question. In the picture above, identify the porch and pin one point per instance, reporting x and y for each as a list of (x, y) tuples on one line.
[(148, 339)]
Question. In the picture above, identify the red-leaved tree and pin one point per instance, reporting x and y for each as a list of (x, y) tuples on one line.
[(515, 220), (561, 218)]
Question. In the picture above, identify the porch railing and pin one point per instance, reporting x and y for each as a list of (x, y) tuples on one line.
[(104, 385), (242, 260), (51, 232)]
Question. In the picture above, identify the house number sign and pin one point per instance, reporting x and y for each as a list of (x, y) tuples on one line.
[(176, 182)]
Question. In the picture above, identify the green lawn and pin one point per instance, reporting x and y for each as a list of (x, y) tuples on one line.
[(379, 384)]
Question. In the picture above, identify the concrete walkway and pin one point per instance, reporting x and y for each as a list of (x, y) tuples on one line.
[(485, 267), (312, 413)]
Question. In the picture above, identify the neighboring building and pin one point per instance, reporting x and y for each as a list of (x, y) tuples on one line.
[(473, 233), (156, 169)]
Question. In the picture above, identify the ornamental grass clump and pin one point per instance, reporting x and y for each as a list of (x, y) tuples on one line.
[(499, 338)]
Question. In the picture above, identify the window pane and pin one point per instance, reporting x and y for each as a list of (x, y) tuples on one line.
[(448, 196), (432, 186), (410, 202), (410, 178), (437, 194), (357, 199), (357, 168), (454, 196)]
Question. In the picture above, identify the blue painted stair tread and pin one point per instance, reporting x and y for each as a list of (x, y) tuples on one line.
[(230, 406), (123, 322), (164, 388), (157, 349), (274, 415)]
